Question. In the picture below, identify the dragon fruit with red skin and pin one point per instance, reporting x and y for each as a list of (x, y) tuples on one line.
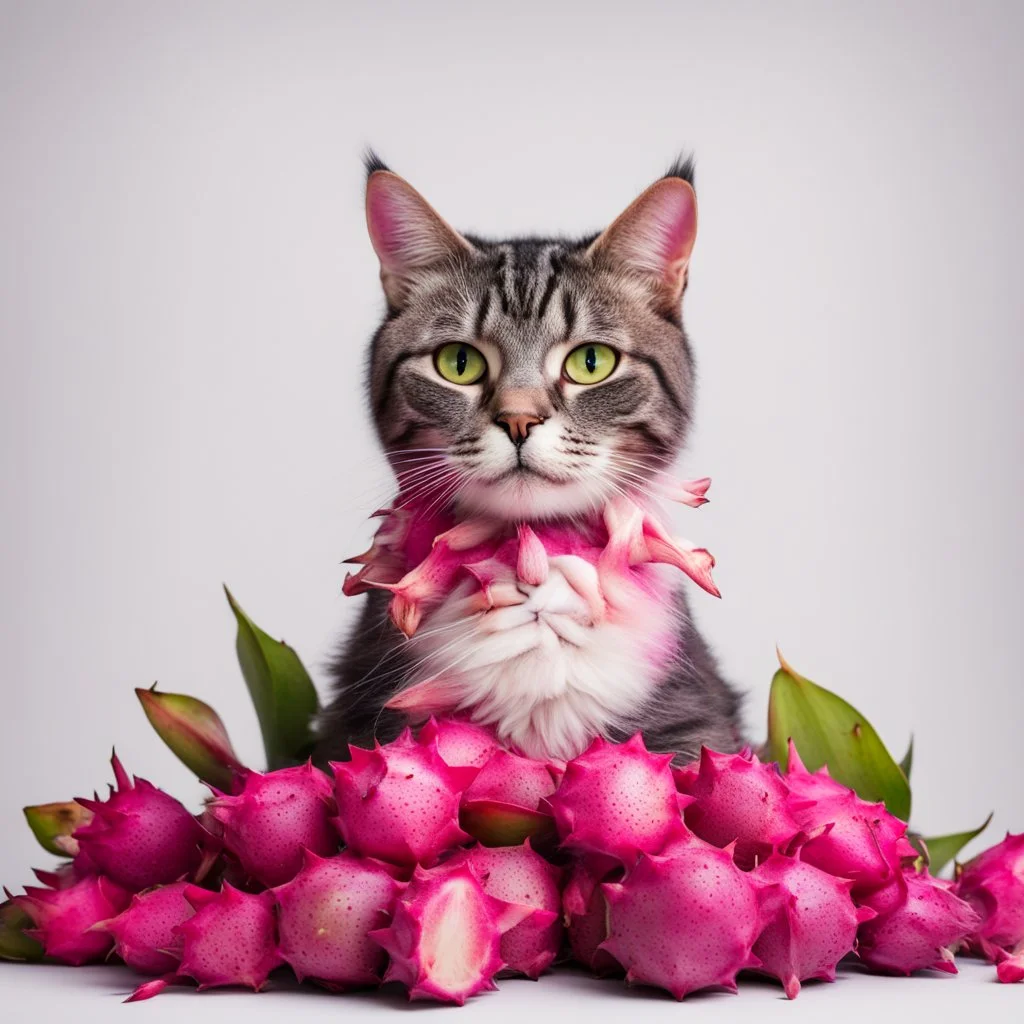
[(326, 914), (737, 799), (274, 817), (619, 800), (922, 931), (461, 744), (685, 919), (65, 919), (400, 802), (993, 884), (585, 912), (140, 837), (504, 802), (444, 939), (145, 933), (810, 924), (518, 875), (230, 940)]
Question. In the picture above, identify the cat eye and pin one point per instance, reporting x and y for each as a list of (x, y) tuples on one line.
[(460, 363), (590, 364)]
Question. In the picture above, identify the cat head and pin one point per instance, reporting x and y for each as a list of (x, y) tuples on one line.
[(533, 378)]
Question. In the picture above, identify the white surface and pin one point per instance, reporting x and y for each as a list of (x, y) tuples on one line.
[(186, 291), (91, 994)]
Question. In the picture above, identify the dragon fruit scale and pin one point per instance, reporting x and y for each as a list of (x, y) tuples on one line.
[(140, 837), (144, 934), (326, 914), (684, 920), (400, 802), (810, 925), (230, 940), (444, 939), (65, 919), (619, 800), (274, 817)]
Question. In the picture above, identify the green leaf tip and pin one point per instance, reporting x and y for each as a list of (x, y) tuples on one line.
[(281, 690), (827, 730), (53, 825), (940, 850), (14, 943)]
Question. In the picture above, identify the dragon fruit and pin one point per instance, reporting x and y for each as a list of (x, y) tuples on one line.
[(811, 924), (140, 836), (400, 802), (502, 805), (144, 933), (444, 938), (585, 912), (518, 875), (230, 940), (684, 920), (848, 837), (461, 743), (993, 884), (619, 800), (274, 817), (737, 799), (65, 919), (922, 931), (326, 914)]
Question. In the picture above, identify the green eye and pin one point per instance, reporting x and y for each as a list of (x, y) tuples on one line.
[(590, 364), (459, 363)]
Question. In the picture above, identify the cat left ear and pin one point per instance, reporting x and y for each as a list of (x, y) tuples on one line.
[(408, 235), (653, 237)]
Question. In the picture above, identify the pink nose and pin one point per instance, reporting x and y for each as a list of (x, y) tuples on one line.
[(517, 424)]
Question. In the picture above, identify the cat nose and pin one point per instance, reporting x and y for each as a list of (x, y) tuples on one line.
[(517, 424)]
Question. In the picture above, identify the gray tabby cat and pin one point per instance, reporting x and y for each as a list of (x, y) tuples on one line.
[(534, 379)]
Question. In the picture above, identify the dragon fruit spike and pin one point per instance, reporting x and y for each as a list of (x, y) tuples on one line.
[(65, 919), (400, 802), (140, 836), (739, 799), (685, 920), (921, 932), (532, 562), (686, 492), (993, 884), (810, 925), (1011, 970), (230, 940), (461, 743), (274, 818), (325, 915), (445, 936), (144, 936), (619, 800)]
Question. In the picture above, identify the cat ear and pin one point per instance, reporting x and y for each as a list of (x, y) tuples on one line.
[(407, 234), (653, 237)]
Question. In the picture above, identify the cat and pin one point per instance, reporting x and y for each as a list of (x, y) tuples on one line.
[(532, 380)]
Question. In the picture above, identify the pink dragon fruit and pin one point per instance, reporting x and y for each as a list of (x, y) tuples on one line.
[(518, 875), (65, 919), (140, 836), (849, 837), (993, 884), (444, 939), (586, 912), (811, 923), (274, 818), (461, 744), (502, 805), (230, 940), (400, 802), (922, 931), (737, 799), (144, 934), (326, 914), (684, 920), (619, 800)]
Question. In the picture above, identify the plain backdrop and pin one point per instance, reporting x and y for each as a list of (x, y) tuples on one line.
[(186, 293)]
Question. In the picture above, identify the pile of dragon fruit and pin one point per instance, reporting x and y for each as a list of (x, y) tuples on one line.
[(442, 861)]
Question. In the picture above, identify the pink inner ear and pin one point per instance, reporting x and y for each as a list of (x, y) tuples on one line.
[(383, 209), (676, 215)]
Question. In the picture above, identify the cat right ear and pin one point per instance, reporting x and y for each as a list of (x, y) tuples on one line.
[(408, 235)]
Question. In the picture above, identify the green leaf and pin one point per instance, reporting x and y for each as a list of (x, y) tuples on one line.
[(828, 730), (940, 850), (908, 759), (52, 825), (281, 690), (498, 824), (14, 943), (195, 733)]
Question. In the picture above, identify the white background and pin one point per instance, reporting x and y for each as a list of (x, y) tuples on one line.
[(186, 292)]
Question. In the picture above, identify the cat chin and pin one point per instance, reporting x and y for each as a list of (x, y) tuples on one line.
[(520, 497)]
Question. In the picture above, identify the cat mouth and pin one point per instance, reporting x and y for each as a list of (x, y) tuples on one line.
[(523, 471)]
